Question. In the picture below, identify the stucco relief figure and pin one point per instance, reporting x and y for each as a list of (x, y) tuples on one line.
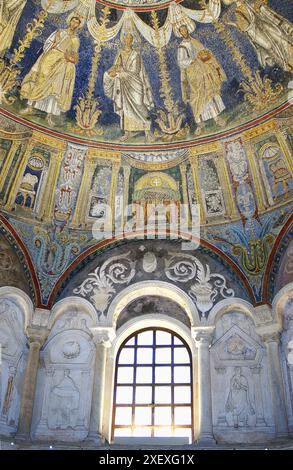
[(50, 83), (239, 410), (127, 84), (10, 13), (201, 80), (63, 404), (270, 34)]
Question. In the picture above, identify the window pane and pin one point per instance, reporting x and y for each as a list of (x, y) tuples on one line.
[(163, 355), (163, 432), (144, 375), (123, 415), (142, 432), (144, 356), (163, 395), (182, 415), (146, 337), (182, 395), (163, 415), (122, 432), (181, 374), (163, 338), (124, 395), (181, 356), (126, 356), (163, 374), (143, 415), (184, 432), (143, 395), (125, 375), (130, 342), (177, 341)]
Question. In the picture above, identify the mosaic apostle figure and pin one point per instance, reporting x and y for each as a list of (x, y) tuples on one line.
[(270, 34), (10, 13), (50, 83), (127, 84), (201, 79)]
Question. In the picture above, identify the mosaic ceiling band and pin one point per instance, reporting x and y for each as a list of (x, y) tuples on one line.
[(50, 83)]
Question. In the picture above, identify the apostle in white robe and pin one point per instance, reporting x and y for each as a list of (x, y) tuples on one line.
[(127, 84), (201, 80), (269, 33), (50, 83), (10, 13)]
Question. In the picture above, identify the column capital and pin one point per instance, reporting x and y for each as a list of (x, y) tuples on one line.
[(203, 335), (269, 333), (103, 336), (37, 335)]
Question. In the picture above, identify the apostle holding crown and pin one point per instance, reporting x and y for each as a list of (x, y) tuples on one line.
[(201, 79), (50, 83)]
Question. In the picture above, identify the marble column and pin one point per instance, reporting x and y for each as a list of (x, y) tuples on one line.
[(203, 338), (277, 385), (36, 338), (102, 342)]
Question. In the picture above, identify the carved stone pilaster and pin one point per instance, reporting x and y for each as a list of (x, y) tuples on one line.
[(271, 340), (36, 338), (103, 338), (203, 338)]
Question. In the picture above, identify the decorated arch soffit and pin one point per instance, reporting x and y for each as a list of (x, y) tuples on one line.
[(244, 46), (227, 147)]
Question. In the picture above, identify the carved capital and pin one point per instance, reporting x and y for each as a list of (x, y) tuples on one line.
[(203, 336), (37, 335), (271, 337), (103, 336)]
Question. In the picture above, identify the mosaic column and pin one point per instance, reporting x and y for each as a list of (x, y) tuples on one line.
[(184, 191), (81, 208), (36, 338), (203, 338), (196, 183), (115, 172), (102, 341), (226, 186), (259, 190), (47, 204), (19, 175), (126, 174), (7, 164)]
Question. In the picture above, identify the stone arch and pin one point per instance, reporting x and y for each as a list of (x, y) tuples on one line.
[(158, 288), (229, 305), (280, 300), (76, 304)]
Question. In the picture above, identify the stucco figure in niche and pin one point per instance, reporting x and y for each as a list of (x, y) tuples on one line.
[(64, 403), (240, 381), (12, 340), (239, 409), (64, 384)]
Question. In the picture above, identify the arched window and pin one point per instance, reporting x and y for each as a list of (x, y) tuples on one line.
[(153, 386)]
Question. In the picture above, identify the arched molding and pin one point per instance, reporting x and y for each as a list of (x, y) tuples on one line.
[(280, 300), (230, 305), (157, 288), (74, 304), (21, 300)]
